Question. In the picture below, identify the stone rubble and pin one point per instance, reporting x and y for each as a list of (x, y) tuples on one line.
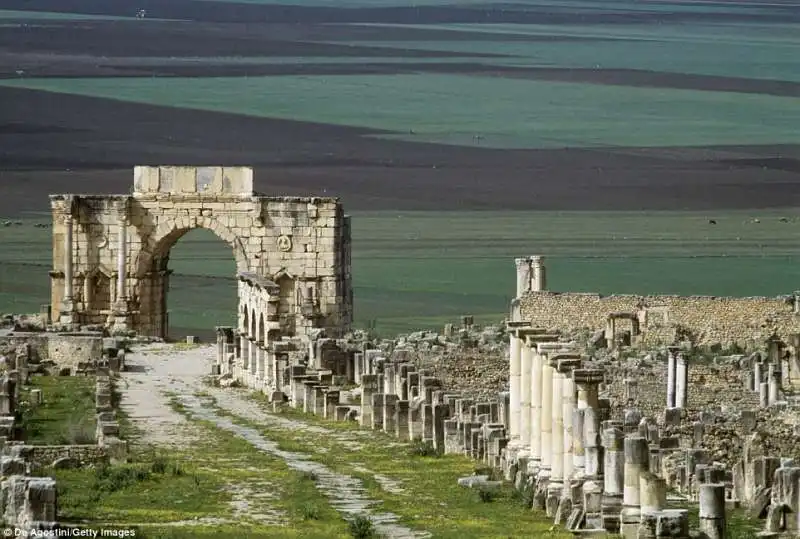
[(605, 431)]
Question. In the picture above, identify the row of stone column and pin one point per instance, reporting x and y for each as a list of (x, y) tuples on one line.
[(677, 378), (249, 361), (766, 379)]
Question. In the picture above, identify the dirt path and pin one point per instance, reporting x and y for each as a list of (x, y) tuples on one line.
[(158, 373)]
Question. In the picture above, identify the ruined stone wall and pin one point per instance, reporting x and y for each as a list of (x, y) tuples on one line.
[(43, 456), (710, 386), (38, 343), (724, 320), (67, 350)]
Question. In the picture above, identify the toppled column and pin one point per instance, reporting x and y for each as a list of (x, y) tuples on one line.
[(613, 478), (637, 459), (712, 510)]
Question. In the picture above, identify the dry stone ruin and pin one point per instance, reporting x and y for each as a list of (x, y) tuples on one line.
[(620, 426), (611, 414)]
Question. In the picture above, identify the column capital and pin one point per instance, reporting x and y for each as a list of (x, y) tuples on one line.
[(588, 376), (514, 325), (566, 364)]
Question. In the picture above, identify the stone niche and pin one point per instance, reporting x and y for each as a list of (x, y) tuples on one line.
[(230, 181)]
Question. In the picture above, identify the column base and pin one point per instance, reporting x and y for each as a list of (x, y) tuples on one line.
[(592, 503), (555, 490), (540, 489), (629, 522), (612, 505), (68, 316), (119, 320)]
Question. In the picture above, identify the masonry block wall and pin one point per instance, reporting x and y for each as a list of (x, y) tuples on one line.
[(300, 243), (711, 320)]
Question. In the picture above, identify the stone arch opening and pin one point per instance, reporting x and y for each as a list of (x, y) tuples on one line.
[(244, 325), (187, 282)]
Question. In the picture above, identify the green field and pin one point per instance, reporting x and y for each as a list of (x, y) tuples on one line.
[(423, 269), (440, 108)]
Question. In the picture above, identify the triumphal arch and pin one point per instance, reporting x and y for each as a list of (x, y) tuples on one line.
[(111, 254)]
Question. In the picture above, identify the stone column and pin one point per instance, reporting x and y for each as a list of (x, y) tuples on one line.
[(122, 271), (652, 492), (637, 460), (712, 510), (763, 394), (515, 360), (579, 462), (671, 368), (568, 404), (68, 259), (536, 409), (261, 355), (523, 275), (525, 393), (244, 351), (67, 302), (773, 380), (587, 381), (556, 483), (587, 450), (681, 381), (538, 281), (591, 442), (613, 477), (758, 375), (547, 415)]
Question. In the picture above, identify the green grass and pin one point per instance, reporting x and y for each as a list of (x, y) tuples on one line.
[(67, 413), (169, 495), (418, 270), (442, 108), (430, 500)]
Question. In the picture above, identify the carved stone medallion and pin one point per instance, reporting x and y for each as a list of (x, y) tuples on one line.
[(284, 243)]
